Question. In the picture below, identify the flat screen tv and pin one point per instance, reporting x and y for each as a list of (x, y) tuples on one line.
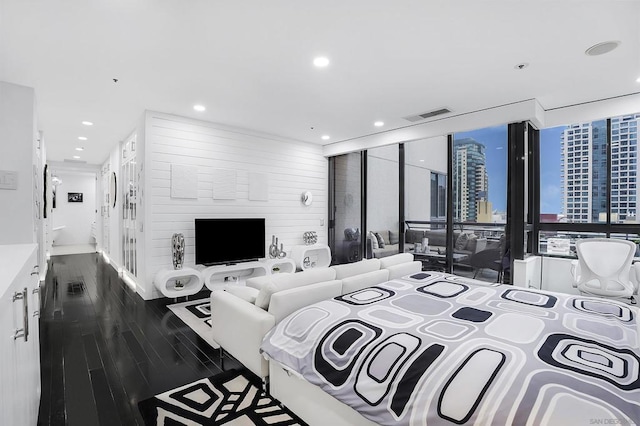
[(224, 241)]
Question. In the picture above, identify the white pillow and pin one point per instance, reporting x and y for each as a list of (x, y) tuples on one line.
[(281, 282), (374, 240), (245, 293)]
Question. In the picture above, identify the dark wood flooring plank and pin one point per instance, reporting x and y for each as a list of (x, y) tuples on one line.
[(106, 407), (91, 352), (79, 400)]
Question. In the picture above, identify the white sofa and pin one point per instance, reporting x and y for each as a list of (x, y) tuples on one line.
[(242, 316)]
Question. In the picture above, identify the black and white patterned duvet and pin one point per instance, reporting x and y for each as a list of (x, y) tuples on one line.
[(435, 348)]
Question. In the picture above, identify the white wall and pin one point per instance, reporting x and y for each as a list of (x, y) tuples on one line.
[(290, 167), (77, 218), (110, 242), (18, 135)]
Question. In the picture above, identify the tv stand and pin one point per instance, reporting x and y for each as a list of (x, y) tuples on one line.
[(218, 276)]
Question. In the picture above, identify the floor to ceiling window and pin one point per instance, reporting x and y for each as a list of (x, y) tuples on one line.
[(346, 208), (382, 210), (588, 182), (480, 201)]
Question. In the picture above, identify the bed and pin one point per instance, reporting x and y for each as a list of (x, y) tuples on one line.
[(434, 348)]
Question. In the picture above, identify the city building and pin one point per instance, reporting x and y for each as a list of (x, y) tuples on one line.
[(584, 170), (471, 183)]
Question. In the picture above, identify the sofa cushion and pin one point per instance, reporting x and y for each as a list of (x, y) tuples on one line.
[(413, 236), (395, 260), (245, 293), (281, 282), (461, 241), (384, 234), (356, 268), (380, 240), (258, 282), (358, 282), (388, 250), (394, 237), (402, 269), (285, 302)]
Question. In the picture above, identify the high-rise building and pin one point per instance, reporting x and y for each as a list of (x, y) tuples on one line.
[(470, 180), (624, 166), (584, 170)]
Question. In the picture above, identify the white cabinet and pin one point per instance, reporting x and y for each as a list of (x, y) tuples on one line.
[(312, 256), (178, 282), (217, 277), (19, 339)]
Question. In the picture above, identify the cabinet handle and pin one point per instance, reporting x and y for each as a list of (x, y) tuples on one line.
[(35, 270), (36, 290), (24, 331), (36, 314)]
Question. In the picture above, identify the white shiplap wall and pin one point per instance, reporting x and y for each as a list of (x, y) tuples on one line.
[(292, 168)]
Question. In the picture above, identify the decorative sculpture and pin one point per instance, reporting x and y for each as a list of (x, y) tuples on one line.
[(310, 237), (177, 245), (274, 251)]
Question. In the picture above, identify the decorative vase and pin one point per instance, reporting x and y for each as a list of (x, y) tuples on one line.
[(310, 238), (177, 245)]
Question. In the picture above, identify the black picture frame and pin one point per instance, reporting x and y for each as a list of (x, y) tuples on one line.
[(74, 197)]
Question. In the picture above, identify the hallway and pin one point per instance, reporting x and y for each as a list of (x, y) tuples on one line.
[(103, 348)]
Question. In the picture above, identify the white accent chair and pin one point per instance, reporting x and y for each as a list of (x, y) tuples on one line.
[(604, 269)]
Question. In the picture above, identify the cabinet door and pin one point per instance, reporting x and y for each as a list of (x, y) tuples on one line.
[(7, 359), (20, 364)]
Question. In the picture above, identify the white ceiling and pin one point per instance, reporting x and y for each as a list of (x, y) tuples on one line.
[(250, 62)]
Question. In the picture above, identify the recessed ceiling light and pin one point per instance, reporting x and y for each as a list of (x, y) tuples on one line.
[(325, 137), (82, 138), (77, 157), (321, 61), (87, 123), (79, 148), (199, 108), (602, 48), (379, 123), (422, 161)]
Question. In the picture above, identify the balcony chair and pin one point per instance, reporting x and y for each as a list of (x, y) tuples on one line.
[(496, 259), (604, 269)]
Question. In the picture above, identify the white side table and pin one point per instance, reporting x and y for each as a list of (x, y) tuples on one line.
[(313, 256), (280, 266), (178, 282)]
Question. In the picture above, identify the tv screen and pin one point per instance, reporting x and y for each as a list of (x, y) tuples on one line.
[(220, 241)]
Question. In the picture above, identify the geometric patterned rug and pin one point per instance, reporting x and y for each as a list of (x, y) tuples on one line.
[(228, 398), (197, 315)]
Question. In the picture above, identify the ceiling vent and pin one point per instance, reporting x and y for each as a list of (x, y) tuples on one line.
[(414, 118)]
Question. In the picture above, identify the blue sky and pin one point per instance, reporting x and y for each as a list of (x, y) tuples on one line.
[(495, 142), (550, 183)]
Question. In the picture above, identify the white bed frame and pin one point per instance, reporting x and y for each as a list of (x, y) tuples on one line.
[(309, 402)]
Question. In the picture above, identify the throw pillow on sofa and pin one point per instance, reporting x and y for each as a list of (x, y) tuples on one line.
[(394, 237), (380, 240), (374, 240), (461, 241)]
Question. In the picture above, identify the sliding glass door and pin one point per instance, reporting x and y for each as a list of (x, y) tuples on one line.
[(345, 208)]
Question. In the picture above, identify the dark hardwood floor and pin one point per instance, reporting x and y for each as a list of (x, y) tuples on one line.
[(103, 348)]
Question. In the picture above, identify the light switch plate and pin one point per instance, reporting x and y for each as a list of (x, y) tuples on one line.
[(8, 179)]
